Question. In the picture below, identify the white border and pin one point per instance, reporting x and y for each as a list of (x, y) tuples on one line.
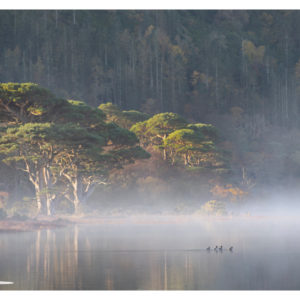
[(150, 295), (153, 4)]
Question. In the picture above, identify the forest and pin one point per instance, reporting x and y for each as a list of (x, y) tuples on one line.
[(62, 150), (158, 111)]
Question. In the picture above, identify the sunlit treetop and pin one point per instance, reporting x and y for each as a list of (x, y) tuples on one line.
[(112, 111), (131, 117), (67, 148), (122, 118), (27, 102), (185, 136), (185, 140), (48, 137), (191, 147), (208, 130), (159, 125), (119, 136), (80, 113)]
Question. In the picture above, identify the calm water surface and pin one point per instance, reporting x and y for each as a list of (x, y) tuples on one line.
[(141, 257)]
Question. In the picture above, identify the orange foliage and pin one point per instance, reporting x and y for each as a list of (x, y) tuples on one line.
[(228, 191)]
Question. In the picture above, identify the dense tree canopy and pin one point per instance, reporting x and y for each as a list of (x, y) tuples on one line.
[(27, 102), (192, 144), (157, 128), (34, 147), (189, 62), (190, 86), (124, 118), (76, 146)]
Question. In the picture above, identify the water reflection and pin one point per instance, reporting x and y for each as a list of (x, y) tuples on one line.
[(131, 258)]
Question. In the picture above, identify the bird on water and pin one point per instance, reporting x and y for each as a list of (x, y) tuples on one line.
[(220, 248)]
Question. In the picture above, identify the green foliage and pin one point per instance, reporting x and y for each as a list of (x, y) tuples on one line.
[(139, 129), (130, 154), (112, 111), (154, 130), (239, 70), (125, 119), (191, 62), (76, 143), (192, 148), (27, 102), (254, 54), (37, 141), (131, 117), (208, 130), (120, 136), (190, 144), (187, 137), (81, 114), (164, 123)]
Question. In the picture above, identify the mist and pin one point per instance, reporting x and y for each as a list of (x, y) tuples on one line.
[(127, 256), (149, 150)]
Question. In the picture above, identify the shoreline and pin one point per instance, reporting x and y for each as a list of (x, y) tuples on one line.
[(10, 225), (40, 223)]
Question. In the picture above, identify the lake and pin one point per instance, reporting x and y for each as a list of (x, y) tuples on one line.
[(266, 256)]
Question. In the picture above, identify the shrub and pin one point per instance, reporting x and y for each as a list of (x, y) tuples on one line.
[(214, 207)]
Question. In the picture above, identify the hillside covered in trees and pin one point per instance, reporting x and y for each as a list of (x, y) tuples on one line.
[(189, 62), (179, 107)]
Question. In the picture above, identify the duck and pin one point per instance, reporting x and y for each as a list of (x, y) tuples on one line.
[(208, 248), (221, 248), (231, 248), (216, 248)]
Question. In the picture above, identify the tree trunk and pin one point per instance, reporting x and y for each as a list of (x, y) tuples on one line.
[(38, 198), (48, 203), (165, 154), (76, 204), (48, 185), (185, 159), (164, 151), (76, 200), (80, 192), (38, 188)]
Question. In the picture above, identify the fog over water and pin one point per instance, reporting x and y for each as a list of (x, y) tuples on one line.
[(134, 142), (158, 256)]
